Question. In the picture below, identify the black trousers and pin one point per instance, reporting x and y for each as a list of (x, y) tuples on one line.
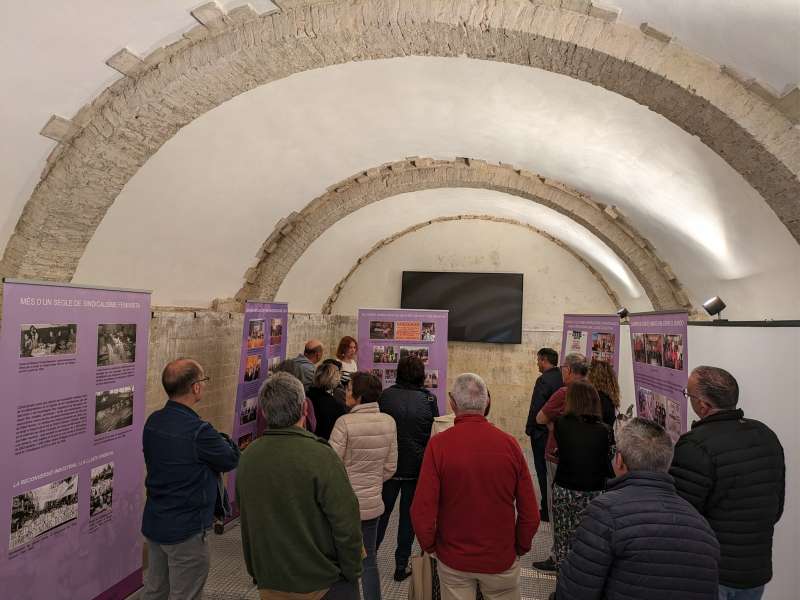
[(538, 444), (405, 531)]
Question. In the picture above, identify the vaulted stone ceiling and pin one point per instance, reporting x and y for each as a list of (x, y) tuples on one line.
[(191, 219)]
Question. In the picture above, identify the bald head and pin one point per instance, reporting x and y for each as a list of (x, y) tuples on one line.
[(179, 376), (314, 350)]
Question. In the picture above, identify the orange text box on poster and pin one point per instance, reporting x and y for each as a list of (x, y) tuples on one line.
[(408, 330)]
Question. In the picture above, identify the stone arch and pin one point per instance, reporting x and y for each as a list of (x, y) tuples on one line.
[(295, 233), (107, 141), (327, 307)]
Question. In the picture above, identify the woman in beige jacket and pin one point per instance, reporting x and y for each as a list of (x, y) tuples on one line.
[(366, 440)]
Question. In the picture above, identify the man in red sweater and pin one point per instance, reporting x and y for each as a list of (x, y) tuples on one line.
[(474, 506)]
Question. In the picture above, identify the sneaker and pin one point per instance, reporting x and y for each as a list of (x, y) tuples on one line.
[(545, 565), (401, 573)]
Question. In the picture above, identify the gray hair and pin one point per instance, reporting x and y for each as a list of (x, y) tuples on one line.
[(469, 393), (576, 362), (717, 387), (281, 398), (645, 446)]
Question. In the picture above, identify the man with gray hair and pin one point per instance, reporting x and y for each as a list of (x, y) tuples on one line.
[(732, 470), (640, 539), (475, 507), (574, 368), (301, 526)]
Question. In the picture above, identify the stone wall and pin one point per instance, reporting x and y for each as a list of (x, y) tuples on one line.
[(214, 339)]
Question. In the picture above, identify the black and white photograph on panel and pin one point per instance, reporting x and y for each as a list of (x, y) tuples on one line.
[(421, 352), (249, 410), (102, 488), (41, 509), (113, 409), (428, 332), (116, 344), (389, 377), (37, 339)]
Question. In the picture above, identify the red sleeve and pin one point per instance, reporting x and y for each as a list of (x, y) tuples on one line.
[(527, 506), (425, 507), (554, 407)]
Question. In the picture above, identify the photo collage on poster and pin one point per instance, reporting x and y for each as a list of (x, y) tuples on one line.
[(658, 350), (392, 341), (49, 506)]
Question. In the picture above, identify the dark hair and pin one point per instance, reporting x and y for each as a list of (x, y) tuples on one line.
[(344, 345), (334, 362), (583, 399), (717, 387), (549, 355), (366, 387), (179, 375), (411, 370)]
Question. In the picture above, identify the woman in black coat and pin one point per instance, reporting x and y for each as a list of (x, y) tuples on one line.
[(323, 397), (584, 462), (413, 408)]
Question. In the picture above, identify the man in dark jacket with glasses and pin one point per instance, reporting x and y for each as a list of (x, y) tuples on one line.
[(184, 457)]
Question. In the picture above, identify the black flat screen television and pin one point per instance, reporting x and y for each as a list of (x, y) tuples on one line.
[(484, 307)]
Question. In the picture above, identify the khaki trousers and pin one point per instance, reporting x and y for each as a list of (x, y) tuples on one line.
[(459, 585)]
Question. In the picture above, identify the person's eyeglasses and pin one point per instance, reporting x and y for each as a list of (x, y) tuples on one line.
[(204, 379), (686, 394)]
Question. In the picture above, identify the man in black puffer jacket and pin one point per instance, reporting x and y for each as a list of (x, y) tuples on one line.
[(640, 540), (732, 470), (413, 408)]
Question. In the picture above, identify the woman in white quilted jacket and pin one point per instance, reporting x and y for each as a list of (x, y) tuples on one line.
[(366, 440)]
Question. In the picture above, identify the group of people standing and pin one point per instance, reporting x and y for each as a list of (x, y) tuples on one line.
[(632, 516), (635, 517)]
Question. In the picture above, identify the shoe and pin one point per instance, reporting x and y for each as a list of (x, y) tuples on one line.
[(545, 565), (401, 573)]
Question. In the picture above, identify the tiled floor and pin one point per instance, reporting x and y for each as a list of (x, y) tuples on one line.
[(228, 579)]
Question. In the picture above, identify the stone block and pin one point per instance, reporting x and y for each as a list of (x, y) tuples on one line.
[(654, 33), (126, 62), (789, 104), (58, 128), (211, 16)]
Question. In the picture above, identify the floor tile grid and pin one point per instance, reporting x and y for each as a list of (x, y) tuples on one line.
[(228, 578)]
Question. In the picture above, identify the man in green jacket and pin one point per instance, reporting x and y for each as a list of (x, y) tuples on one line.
[(301, 527)]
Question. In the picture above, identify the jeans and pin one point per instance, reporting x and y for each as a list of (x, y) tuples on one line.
[(370, 580), (177, 571), (729, 593), (538, 445), (405, 530)]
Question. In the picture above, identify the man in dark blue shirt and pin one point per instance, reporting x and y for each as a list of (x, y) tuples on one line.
[(184, 457)]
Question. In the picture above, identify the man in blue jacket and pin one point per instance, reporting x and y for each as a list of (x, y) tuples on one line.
[(640, 539), (184, 457)]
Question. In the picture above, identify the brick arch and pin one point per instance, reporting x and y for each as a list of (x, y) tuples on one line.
[(107, 141), (327, 307), (293, 235)]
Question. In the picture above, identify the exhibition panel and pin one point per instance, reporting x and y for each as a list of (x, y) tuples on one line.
[(73, 362)]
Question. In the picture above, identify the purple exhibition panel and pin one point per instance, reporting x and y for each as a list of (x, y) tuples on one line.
[(594, 336), (387, 335), (659, 351), (263, 346), (73, 366)]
